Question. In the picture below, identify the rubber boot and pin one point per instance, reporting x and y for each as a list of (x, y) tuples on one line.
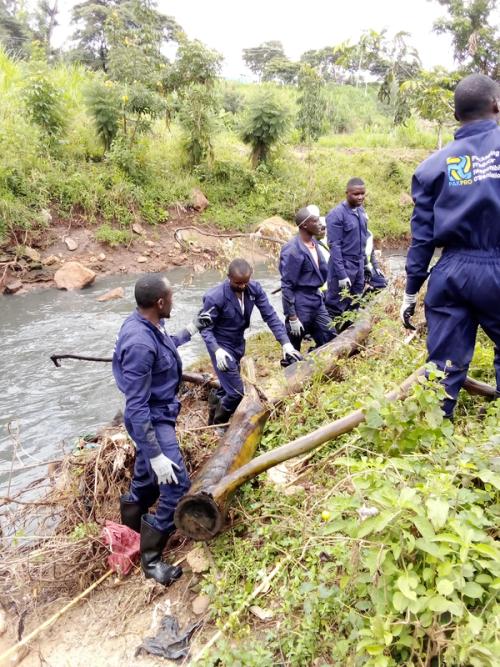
[(213, 402), (222, 416), (131, 513), (152, 544)]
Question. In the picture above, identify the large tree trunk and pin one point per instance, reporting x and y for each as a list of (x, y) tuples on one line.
[(197, 514)]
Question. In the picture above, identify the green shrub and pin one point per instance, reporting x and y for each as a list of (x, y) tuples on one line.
[(111, 236), (265, 124)]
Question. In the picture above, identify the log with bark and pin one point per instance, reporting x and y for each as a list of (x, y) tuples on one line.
[(200, 516)]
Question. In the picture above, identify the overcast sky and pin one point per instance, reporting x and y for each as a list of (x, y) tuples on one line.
[(231, 25)]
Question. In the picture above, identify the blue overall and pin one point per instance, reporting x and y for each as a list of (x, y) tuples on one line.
[(347, 233), (301, 282), (148, 370), (227, 331), (457, 207)]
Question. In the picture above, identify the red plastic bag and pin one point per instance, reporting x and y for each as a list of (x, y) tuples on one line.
[(124, 543)]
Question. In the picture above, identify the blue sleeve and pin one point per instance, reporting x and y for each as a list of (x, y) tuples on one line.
[(136, 364), (422, 237), (208, 334), (335, 235), (181, 337), (290, 269), (270, 316)]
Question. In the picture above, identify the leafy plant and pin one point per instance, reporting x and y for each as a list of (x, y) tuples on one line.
[(103, 101), (311, 101), (264, 126), (44, 105)]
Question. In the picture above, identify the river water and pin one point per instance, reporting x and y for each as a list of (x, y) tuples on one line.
[(43, 409)]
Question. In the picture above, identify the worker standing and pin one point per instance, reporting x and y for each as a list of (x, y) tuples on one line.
[(456, 193), (230, 305), (148, 370), (374, 278), (303, 272), (347, 233)]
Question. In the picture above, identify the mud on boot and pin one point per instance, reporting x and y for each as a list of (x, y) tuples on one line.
[(213, 404), (153, 542)]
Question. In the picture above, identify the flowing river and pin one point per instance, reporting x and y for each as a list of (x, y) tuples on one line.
[(44, 408)]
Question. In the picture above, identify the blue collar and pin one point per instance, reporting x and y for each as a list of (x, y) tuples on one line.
[(475, 127)]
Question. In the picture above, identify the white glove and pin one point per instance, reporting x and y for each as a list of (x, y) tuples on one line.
[(345, 283), (222, 358), (296, 327), (164, 469), (407, 310), (290, 351)]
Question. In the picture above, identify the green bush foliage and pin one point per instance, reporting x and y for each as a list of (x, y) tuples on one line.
[(265, 124)]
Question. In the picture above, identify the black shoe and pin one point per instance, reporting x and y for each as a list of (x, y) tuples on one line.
[(213, 403), (131, 513), (152, 544)]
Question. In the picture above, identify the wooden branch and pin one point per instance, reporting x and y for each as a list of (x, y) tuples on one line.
[(13, 649), (201, 516), (236, 448)]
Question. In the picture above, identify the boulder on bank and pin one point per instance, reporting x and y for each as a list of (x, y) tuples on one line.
[(71, 244), (117, 293), (13, 287), (276, 228), (198, 201), (73, 275), (32, 254)]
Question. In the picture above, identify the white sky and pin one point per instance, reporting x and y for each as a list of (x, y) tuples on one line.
[(231, 25)]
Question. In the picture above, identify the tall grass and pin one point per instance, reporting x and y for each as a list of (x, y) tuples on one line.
[(142, 181)]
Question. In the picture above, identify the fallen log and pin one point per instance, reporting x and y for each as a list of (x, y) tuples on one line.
[(201, 520)]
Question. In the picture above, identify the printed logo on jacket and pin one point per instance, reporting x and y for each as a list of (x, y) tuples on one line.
[(468, 169)]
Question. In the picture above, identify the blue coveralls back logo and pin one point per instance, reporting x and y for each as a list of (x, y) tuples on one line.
[(459, 170)]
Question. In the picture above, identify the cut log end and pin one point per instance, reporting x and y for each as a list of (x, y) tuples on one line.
[(198, 516)]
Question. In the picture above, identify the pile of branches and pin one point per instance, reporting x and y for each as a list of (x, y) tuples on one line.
[(50, 545)]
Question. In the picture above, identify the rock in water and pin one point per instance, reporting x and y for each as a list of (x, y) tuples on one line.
[(73, 275), (71, 244), (13, 287), (198, 200), (117, 293)]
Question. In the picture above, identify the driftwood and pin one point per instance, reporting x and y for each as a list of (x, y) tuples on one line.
[(202, 379), (200, 516)]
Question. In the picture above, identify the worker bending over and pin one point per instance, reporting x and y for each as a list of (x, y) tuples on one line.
[(457, 207), (230, 305)]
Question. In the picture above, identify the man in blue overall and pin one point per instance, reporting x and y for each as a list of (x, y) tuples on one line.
[(374, 278), (230, 305), (303, 272), (148, 370), (347, 232), (457, 207)]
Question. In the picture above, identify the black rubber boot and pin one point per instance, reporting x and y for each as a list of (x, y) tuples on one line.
[(213, 402), (152, 544), (131, 513), (221, 415)]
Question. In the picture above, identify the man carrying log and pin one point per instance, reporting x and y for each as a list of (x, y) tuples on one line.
[(148, 369), (457, 207), (303, 272), (230, 305)]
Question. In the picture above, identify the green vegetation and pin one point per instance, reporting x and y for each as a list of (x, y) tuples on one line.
[(114, 160), (112, 131), (385, 540)]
